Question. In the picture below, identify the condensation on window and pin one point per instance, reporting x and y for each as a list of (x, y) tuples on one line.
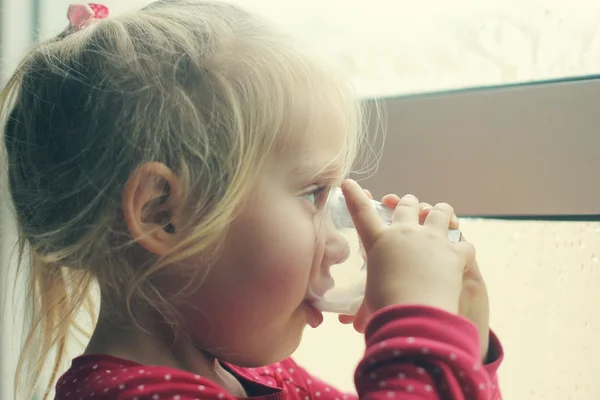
[(543, 281), (543, 277)]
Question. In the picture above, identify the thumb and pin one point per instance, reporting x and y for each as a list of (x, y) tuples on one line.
[(361, 319), (366, 220)]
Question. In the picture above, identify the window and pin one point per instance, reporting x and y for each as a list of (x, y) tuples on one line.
[(526, 150)]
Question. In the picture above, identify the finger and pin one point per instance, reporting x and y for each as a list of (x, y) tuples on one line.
[(390, 200), (368, 193), (361, 319), (366, 220), (454, 222), (424, 209), (346, 319), (407, 210), (439, 217)]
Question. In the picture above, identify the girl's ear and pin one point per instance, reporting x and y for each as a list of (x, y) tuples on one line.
[(151, 207)]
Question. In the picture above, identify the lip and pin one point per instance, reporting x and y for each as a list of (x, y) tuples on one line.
[(311, 296), (316, 290), (314, 317)]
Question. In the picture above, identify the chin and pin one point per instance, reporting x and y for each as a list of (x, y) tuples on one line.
[(283, 351), (282, 346), (262, 361)]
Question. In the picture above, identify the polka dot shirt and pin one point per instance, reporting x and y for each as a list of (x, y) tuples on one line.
[(412, 353)]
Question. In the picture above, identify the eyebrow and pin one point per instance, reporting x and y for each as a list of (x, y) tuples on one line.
[(316, 171)]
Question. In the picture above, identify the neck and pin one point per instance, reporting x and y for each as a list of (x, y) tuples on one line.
[(151, 347)]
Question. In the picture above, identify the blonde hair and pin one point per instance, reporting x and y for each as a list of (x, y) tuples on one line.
[(203, 87)]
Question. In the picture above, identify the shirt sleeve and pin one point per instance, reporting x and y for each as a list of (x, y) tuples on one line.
[(495, 357), (418, 353)]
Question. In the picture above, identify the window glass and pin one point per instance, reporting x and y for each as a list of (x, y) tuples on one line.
[(543, 277)]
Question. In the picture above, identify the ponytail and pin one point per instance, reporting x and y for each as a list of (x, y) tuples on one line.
[(55, 296)]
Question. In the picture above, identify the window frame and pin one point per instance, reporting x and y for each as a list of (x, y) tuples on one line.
[(468, 155)]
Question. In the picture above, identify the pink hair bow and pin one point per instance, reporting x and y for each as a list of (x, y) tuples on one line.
[(80, 15)]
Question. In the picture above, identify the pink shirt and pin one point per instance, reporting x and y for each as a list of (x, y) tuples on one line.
[(413, 353)]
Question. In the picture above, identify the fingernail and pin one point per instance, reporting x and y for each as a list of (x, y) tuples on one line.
[(348, 182), (455, 219), (410, 196)]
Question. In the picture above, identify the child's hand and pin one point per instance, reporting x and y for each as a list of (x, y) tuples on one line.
[(474, 304), (390, 201), (408, 263)]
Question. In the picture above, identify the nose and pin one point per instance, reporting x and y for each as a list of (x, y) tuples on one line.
[(337, 249)]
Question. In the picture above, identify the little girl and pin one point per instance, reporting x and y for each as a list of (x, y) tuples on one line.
[(176, 160)]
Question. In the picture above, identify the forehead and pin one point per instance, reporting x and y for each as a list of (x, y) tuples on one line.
[(314, 137), (317, 151)]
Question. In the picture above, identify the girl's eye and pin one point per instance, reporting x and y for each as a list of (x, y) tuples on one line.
[(318, 197)]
